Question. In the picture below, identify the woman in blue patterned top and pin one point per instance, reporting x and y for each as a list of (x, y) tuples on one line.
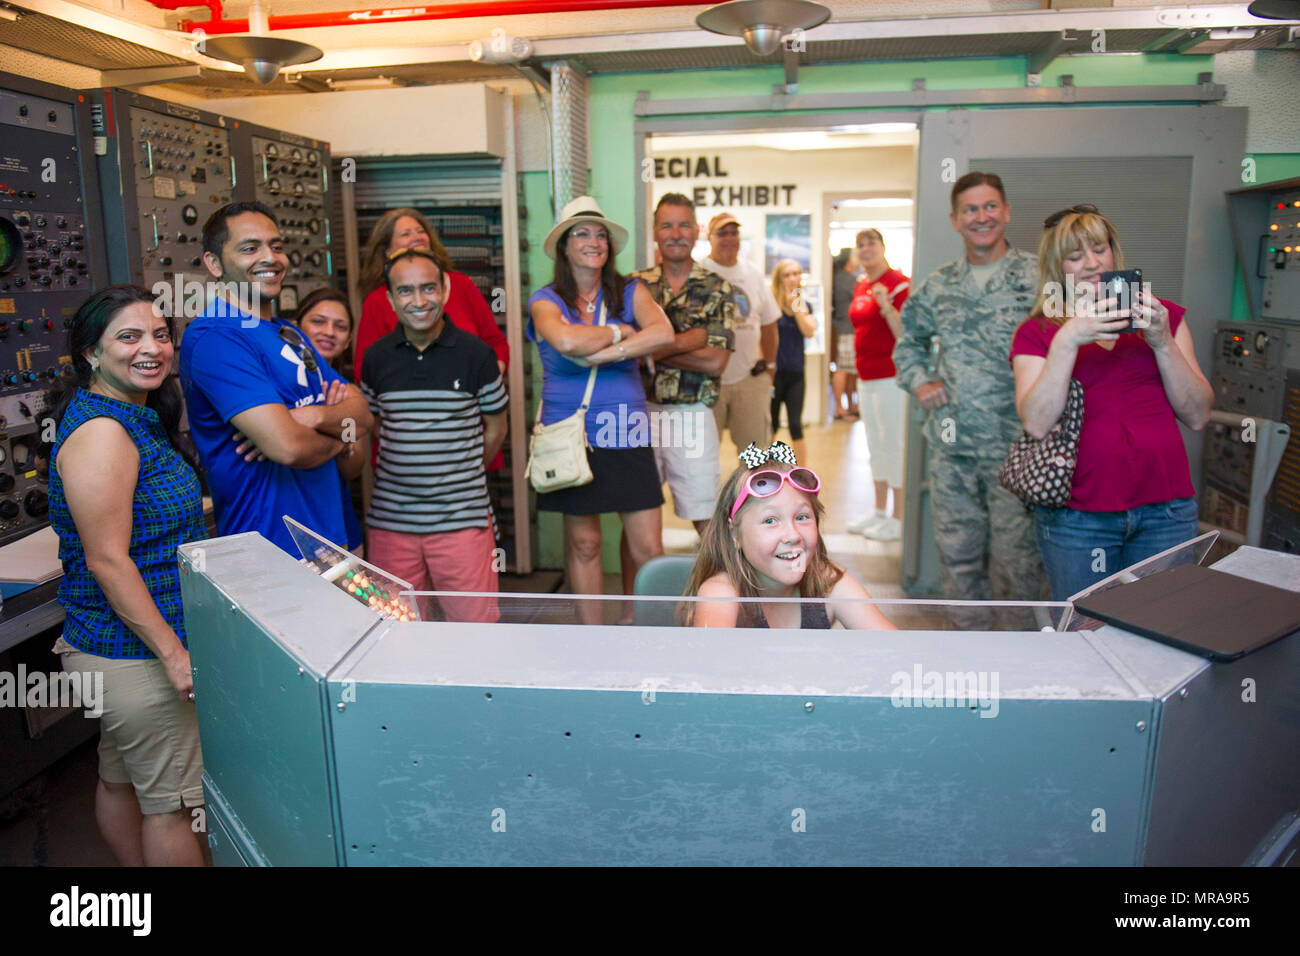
[(123, 495)]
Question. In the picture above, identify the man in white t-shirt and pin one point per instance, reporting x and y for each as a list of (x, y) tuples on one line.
[(744, 402)]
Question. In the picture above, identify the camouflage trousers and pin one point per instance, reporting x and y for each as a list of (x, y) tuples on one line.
[(987, 546)]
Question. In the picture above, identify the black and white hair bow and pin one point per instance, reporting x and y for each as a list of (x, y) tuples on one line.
[(753, 456)]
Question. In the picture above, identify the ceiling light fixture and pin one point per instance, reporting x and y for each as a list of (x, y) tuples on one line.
[(261, 56), (762, 23)]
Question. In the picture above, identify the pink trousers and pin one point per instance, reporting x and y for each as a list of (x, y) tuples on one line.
[(451, 561)]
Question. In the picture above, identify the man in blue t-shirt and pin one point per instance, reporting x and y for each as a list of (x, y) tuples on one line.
[(273, 423)]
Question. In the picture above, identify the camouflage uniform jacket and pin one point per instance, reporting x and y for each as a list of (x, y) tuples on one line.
[(974, 327), (705, 302)]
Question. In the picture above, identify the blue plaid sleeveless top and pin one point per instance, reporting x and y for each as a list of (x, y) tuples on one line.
[(167, 511)]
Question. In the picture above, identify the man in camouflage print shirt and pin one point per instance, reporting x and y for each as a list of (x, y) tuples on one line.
[(974, 306), (682, 379)]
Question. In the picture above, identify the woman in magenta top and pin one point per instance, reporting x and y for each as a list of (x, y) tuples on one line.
[(1132, 495)]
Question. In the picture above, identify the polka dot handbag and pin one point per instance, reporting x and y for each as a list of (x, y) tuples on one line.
[(1041, 472)]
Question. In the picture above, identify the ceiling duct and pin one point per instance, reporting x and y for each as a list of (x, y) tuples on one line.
[(569, 132)]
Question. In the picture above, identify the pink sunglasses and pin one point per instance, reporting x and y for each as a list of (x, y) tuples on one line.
[(766, 483)]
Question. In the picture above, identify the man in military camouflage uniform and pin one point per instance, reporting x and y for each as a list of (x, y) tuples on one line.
[(681, 380), (974, 306)]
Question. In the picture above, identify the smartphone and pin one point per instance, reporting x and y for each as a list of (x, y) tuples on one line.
[(1123, 285)]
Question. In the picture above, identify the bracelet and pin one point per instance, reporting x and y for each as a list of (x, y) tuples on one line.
[(618, 334), (622, 352)]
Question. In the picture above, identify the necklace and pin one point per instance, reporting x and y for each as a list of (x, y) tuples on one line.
[(590, 304)]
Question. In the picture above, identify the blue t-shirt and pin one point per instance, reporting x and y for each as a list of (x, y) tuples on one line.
[(616, 417), (231, 362)]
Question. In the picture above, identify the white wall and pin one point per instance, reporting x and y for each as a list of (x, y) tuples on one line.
[(417, 120)]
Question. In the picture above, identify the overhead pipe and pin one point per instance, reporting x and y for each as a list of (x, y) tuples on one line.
[(214, 7), (446, 11)]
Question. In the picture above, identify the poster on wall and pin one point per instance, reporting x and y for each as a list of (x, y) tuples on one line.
[(789, 236)]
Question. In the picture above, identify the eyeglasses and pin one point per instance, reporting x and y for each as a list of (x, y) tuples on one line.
[(299, 344), (766, 483), (1056, 217)]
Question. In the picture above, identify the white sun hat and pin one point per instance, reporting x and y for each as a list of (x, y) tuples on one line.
[(584, 209)]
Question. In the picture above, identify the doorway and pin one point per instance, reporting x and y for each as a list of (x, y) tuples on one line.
[(799, 193)]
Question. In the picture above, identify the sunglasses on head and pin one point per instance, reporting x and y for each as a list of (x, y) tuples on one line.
[(299, 345), (766, 483), (1056, 217)]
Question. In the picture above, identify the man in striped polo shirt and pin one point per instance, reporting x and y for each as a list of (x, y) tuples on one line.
[(441, 406)]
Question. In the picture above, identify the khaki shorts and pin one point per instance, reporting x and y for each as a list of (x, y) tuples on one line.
[(745, 409), (686, 453), (846, 356), (148, 736)]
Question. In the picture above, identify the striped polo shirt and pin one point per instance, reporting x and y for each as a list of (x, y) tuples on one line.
[(430, 478)]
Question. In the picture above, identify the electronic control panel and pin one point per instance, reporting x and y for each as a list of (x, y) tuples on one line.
[(290, 174), (1250, 367), (50, 259), (1279, 260), (24, 469), (165, 168)]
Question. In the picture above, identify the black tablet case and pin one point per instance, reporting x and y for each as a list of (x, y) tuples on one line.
[(1199, 610)]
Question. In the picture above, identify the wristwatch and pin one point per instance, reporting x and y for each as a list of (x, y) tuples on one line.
[(759, 367)]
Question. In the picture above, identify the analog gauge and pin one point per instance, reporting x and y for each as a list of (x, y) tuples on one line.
[(295, 258), (11, 246), (272, 150), (273, 187), (313, 226), (22, 455), (316, 258), (296, 156), (190, 215), (298, 189), (313, 158), (4, 455), (1261, 342)]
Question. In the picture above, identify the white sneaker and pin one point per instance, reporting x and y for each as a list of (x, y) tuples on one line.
[(866, 524), (889, 529)]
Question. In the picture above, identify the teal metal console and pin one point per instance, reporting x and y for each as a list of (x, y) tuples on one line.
[(334, 737)]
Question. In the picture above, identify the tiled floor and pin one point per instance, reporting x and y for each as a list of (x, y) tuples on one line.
[(50, 821)]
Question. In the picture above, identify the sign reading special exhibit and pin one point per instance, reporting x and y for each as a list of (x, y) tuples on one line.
[(717, 195)]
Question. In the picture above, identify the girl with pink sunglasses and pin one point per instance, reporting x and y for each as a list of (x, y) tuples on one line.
[(765, 542)]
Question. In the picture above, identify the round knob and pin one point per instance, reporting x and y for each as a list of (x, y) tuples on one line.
[(8, 509), (36, 503)]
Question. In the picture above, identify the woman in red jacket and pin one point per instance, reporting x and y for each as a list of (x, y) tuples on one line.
[(876, 324), (407, 228)]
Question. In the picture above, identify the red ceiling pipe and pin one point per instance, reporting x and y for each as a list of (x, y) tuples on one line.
[(446, 11)]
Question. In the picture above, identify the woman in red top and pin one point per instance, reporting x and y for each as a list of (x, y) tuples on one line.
[(465, 308), (1132, 492), (874, 314)]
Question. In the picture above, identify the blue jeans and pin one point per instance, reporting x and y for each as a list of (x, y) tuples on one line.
[(1081, 548)]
